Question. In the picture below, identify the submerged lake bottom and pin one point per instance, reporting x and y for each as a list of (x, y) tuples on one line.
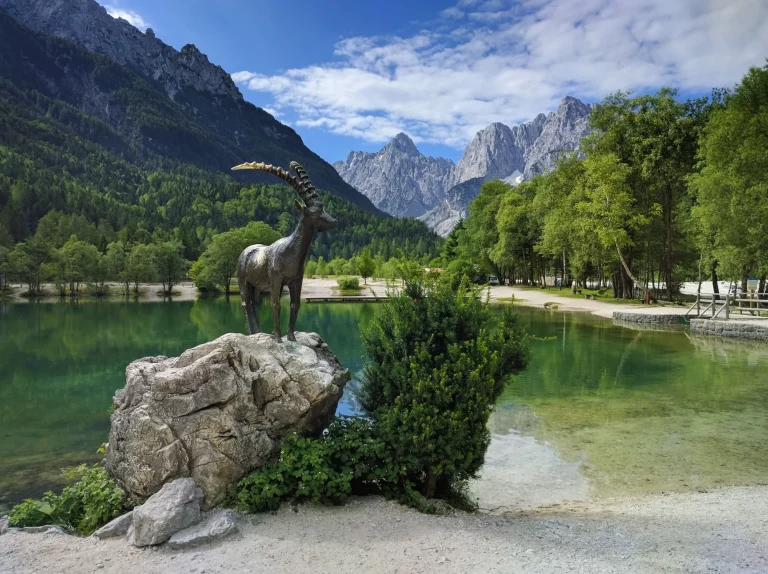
[(602, 411)]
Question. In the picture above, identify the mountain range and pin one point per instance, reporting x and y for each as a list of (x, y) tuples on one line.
[(403, 182), (188, 108)]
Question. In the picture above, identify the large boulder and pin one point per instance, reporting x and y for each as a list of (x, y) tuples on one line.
[(174, 507), (220, 410)]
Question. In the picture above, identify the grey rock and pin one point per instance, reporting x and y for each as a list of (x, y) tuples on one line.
[(442, 218), (174, 507), (398, 179), (219, 524), (3, 525), (219, 411), (562, 132), (117, 527)]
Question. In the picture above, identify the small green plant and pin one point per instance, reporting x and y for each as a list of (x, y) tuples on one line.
[(91, 501), (348, 283), (347, 459)]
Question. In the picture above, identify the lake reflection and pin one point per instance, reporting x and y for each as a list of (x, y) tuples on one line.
[(601, 409)]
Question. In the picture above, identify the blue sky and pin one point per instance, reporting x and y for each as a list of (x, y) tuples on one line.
[(349, 75)]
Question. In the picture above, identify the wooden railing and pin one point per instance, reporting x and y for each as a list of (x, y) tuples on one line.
[(715, 303)]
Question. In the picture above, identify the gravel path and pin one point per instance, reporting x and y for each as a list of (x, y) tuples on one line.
[(719, 531)]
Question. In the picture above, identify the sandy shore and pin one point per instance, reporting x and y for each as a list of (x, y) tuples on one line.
[(720, 531)]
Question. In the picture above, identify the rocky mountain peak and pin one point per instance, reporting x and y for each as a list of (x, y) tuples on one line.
[(87, 23), (402, 181), (398, 179), (401, 142), (562, 132)]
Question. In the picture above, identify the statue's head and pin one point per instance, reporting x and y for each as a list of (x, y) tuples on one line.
[(316, 215), (310, 204)]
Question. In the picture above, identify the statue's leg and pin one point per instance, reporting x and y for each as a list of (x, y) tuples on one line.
[(277, 288), (246, 294), (258, 295), (295, 291)]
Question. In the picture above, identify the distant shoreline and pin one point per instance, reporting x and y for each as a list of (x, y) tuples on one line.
[(184, 291)]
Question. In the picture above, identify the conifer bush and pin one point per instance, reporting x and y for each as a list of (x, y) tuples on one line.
[(436, 360)]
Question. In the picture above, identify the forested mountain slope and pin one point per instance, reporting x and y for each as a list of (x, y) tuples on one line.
[(83, 135), (175, 103)]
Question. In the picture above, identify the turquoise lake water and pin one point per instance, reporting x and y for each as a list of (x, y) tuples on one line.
[(607, 410)]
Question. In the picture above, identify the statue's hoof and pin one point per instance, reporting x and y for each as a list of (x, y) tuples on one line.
[(278, 339), (291, 337)]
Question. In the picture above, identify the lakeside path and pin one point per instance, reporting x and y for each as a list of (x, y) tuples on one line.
[(537, 298), (724, 530)]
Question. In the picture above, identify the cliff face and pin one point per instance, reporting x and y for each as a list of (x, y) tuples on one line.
[(398, 179), (403, 182), (497, 151), (562, 131), (186, 108)]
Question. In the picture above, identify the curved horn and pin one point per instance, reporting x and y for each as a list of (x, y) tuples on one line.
[(305, 181), (278, 171)]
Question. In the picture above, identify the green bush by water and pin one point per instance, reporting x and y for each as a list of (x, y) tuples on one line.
[(436, 361), (90, 502), (348, 283)]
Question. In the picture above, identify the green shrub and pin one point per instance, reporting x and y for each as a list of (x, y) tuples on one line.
[(91, 501), (348, 283), (436, 360), (347, 459)]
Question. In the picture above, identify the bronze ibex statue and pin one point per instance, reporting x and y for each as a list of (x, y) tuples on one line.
[(265, 269)]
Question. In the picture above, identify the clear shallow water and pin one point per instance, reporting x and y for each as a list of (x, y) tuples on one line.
[(602, 410)]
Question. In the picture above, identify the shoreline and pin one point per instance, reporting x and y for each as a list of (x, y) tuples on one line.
[(722, 530), (319, 287)]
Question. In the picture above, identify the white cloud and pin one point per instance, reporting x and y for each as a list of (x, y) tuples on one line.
[(133, 18), (452, 12), (507, 61)]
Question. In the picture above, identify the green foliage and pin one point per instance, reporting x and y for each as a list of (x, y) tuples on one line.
[(731, 189), (91, 501), (168, 264), (366, 266), (218, 264), (347, 459), (348, 283), (435, 362), (310, 268), (322, 267)]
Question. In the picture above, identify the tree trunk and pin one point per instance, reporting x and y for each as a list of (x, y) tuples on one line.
[(628, 273), (431, 485), (715, 284)]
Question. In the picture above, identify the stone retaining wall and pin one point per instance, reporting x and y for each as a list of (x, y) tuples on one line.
[(755, 330), (648, 318)]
